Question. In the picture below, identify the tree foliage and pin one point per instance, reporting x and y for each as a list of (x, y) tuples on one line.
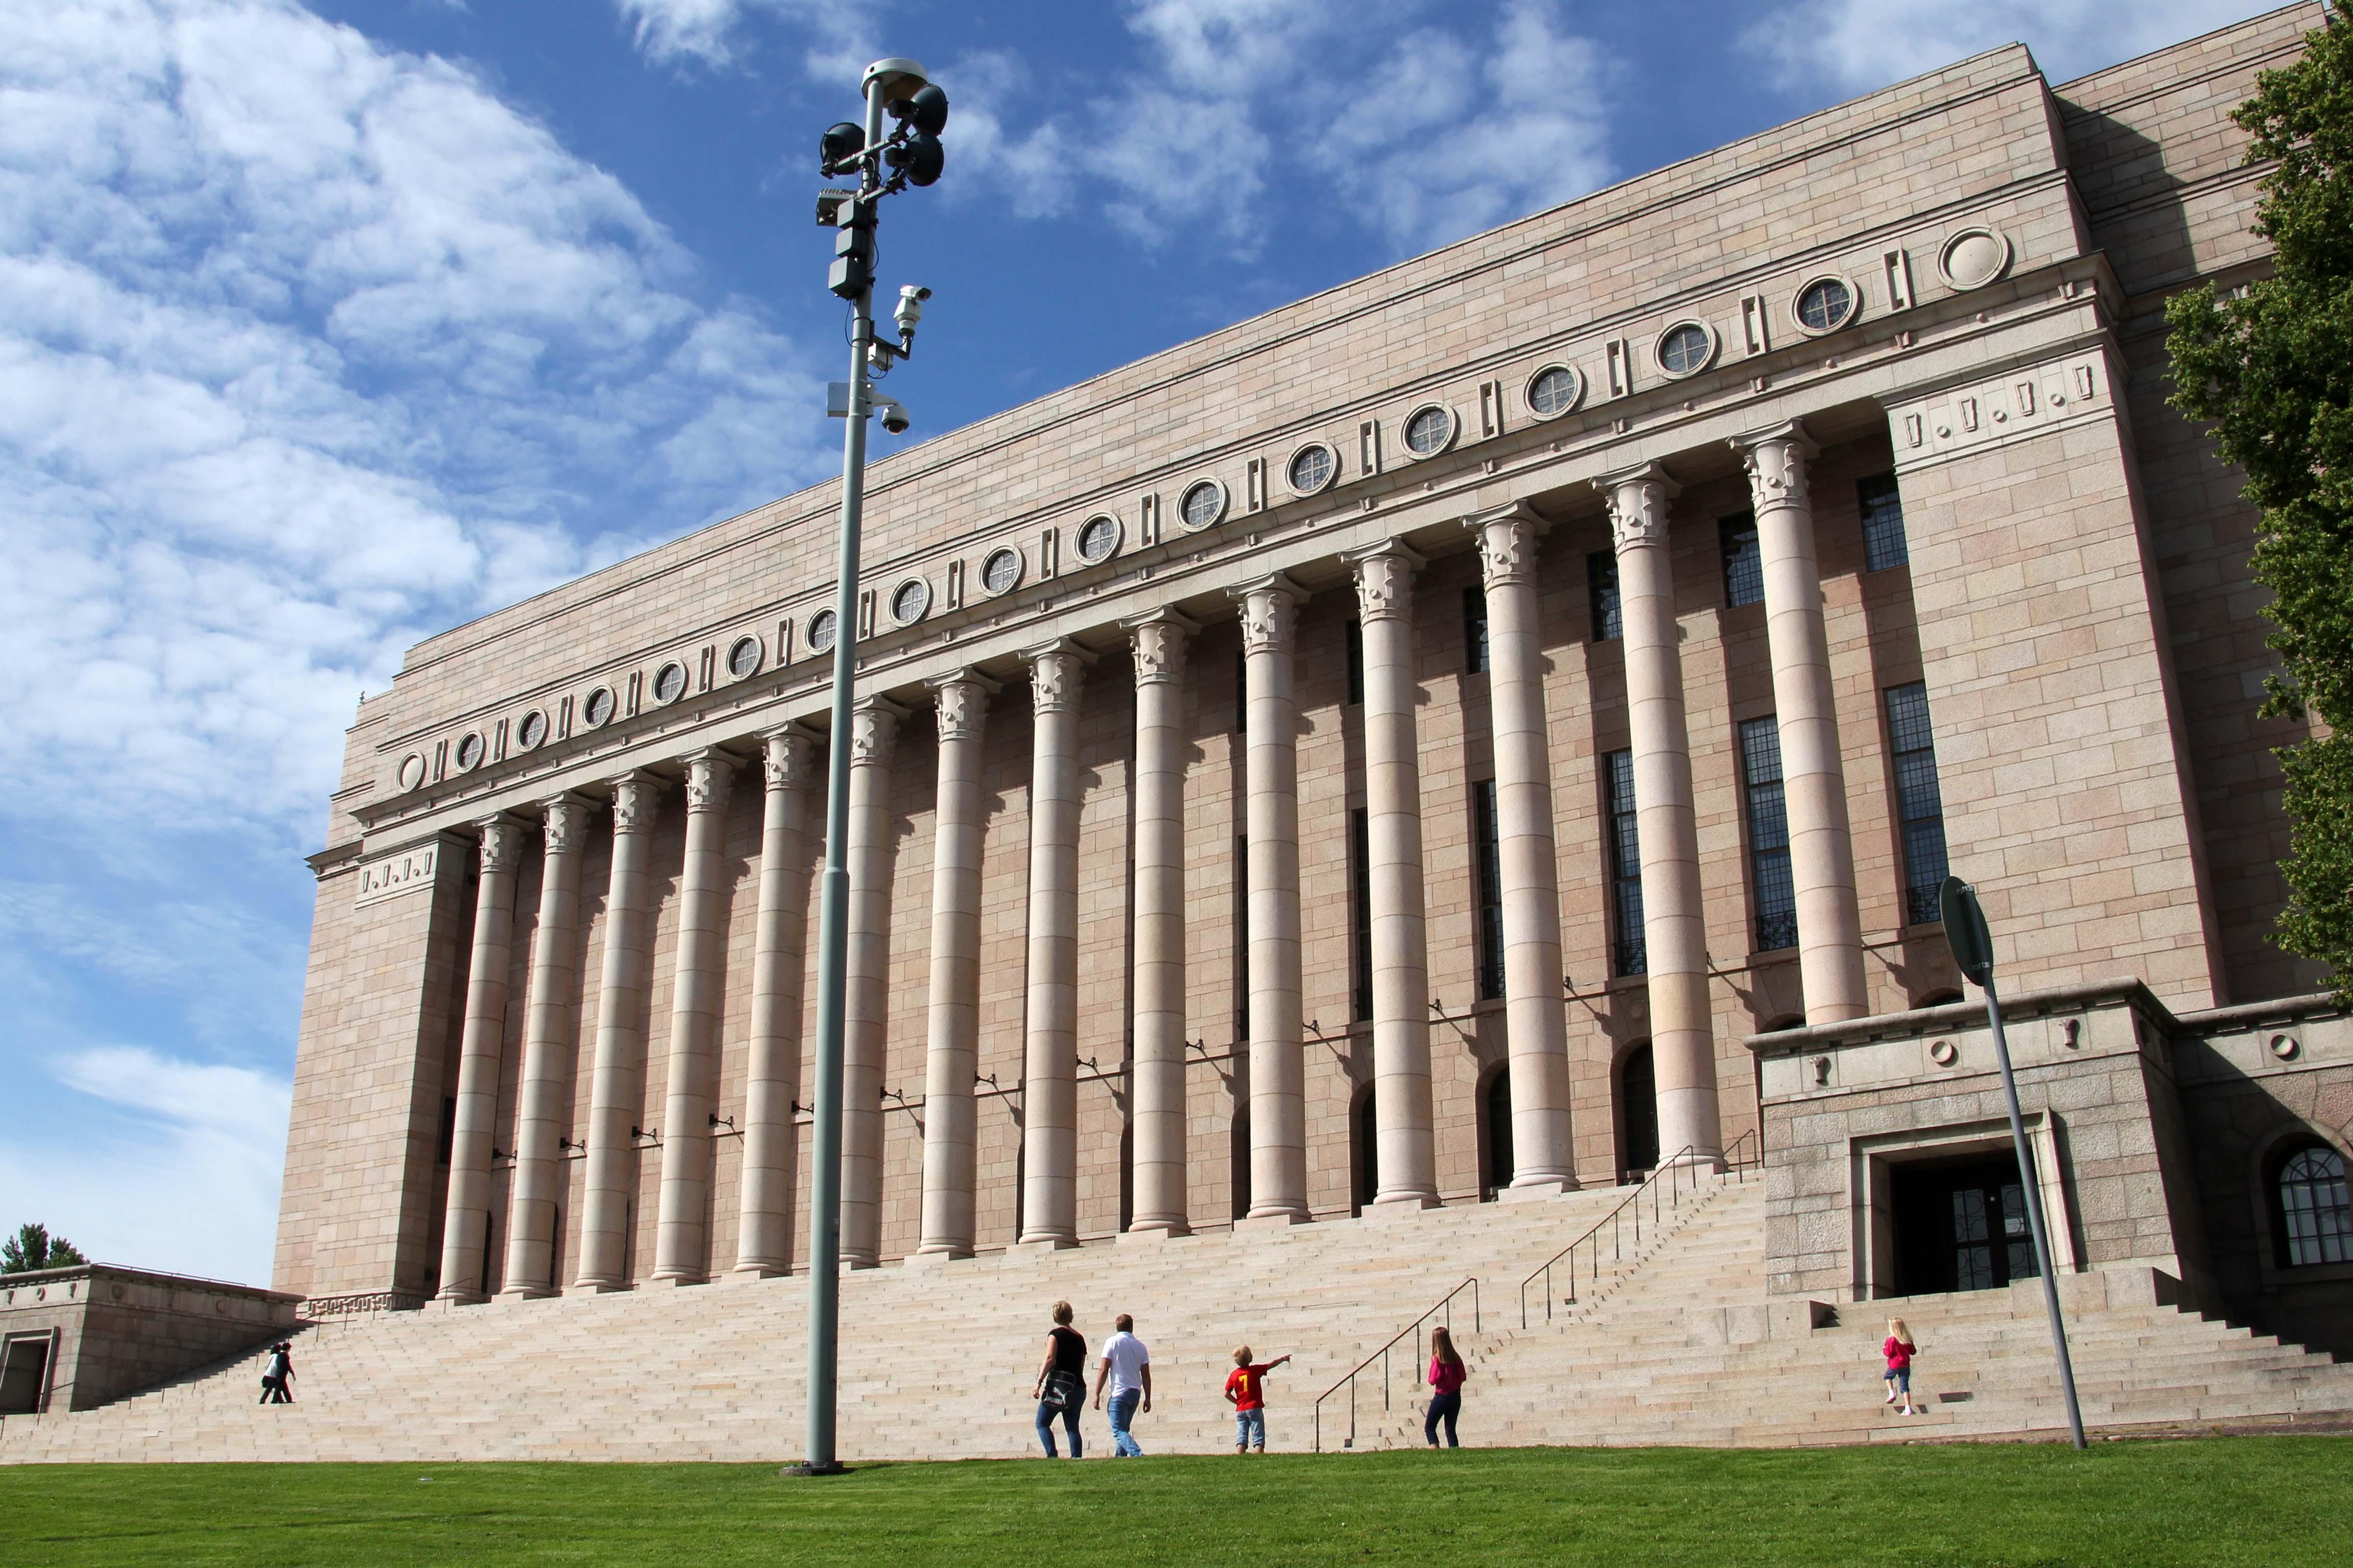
[(34, 1248), (2272, 366)]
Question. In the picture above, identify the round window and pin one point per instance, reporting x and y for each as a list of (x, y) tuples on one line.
[(1825, 305), (1001, 573), (1098, 538), (820, 631), (1203, 504), (532, 731), (412, 771), (744, 658), (598, 708), (469, 751), (1685, 349), (1555, 391), (1313, 467), (670, 682), (1429, 431), (909, 600)]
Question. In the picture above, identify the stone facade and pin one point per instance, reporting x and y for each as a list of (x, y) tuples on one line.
[(75, 1339), (1234, 803)]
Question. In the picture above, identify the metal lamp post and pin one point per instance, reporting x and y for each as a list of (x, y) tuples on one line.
[(911, 154), (1972, 945)]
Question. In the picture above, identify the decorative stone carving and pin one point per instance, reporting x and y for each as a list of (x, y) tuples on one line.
[(1055, 672), (562, 817), (502, 842), (1776, 460), (1385, 580), (788, 757), (709, 775), (1507, 545), (1270, 612), (403, 871), (962, 702), (1638, 505), (1158, 640), (874, 730), (634, 795)]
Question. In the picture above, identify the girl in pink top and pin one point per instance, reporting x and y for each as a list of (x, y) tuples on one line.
[(1899, 1350), (1446, 1374)]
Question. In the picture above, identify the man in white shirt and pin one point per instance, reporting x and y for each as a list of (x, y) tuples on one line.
[(1126, 1369)]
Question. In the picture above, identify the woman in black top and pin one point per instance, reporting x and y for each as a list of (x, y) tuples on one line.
[(1061, 1381)]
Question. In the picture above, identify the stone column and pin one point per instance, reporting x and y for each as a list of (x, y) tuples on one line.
[(1278, 1103), (951, 1049), (1049, 1092), (1674, 928), (866, 1001), (1406, 1162), (465, 1226), (772, 1070), (682, 1243), (549, 1045), (1813, 774), (1158, 1053), (1535, 1010), (616, 1091)]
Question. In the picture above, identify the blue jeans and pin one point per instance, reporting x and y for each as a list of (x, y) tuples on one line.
[(1446, 1407), (1069, 1415), (1249, 1428), (1124, 1445)]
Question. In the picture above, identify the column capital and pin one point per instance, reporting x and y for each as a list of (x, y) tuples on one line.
[(1384, 576), (1157, 638), (1269, 611), (961, 698), (709, 773), (1775, 459), (1507, 543), (1055, 670), (561, 816), (502, 839), (634, 794), (874, 728), (1638, 501), (787, 754)]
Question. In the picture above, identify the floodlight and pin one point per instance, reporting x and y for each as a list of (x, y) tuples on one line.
[(927, 110), (841, 140)]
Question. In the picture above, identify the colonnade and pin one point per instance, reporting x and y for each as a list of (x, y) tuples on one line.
[(1506, 541)]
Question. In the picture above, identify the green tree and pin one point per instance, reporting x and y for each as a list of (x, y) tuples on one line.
[(2272, 367), (34, 1248)]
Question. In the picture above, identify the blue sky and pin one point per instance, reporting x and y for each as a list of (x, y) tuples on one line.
[(324, 329)]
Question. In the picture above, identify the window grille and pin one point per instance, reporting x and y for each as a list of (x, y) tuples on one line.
[(1882, 523), (1743, 563), (1488, 845), (1774, 892), (1919, 804), (1629, 953), (1601, 572)]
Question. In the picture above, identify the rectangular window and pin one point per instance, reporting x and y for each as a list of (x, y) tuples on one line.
[(1601, 572), (1360, 889), (1919, 804), (1882, 523), (1355, 663), (1627, 952), (1744, 565), (1241, 691), (1241, 937), (1474, 630), (1486, 844), (1768, 836)]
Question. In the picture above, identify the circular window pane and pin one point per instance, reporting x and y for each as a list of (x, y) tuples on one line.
[(469, 751), (1684, 350), (1203, 504), (1001, 573), (820, 631), (669, 683), (1097, 537), (1826, 303), (1311, 469), (1429, 430), (533, 729), (412, 770), (909, 600), (598, 708), (1553, 391), (744, 658)]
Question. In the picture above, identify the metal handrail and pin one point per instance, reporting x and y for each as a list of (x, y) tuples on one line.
[(1445, 1304), (1734, 1164)]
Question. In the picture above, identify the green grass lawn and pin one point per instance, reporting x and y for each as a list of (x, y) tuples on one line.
[(2206, 1502)]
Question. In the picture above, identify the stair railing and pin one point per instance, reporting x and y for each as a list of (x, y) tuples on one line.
[(1665, 1187), (1445, 1308)]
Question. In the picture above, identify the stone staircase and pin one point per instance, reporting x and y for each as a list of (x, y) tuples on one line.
[(1673, 1343)]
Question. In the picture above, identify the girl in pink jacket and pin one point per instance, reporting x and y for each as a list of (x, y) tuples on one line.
[(1899, 1350), (1446, 1374)]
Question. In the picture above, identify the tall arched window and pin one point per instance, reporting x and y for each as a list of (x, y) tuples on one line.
[(1496, 1113), (2309, 1209), (1637, 1103)]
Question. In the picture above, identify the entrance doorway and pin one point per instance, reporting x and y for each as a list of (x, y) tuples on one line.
[(25, 1373), (1497, 1122), (1960, 1225), (1637, 1101), (1363, 1135)]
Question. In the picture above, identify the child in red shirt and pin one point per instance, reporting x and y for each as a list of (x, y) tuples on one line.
[(1246, 1392), (1899, 1350)]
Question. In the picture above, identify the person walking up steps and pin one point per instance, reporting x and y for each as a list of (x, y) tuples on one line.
[(1447, 1373), (1246, 1392), (1061, 1381), (276, 1374), (1127, 1367), (1899, 1350)]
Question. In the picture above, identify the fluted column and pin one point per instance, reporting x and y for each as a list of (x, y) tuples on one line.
[(549, 1047), (866, 998), (1674, 928), (618, 1090), (951, 1049), (1406, 1158), (1278, 1103), (1158, 1052), (1049, 1123), (772, 1068), (1813, 774), (464, 1232), (682, 1243), (1534, 1008)]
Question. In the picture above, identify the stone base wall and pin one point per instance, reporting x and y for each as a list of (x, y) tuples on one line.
[(113, 1331)]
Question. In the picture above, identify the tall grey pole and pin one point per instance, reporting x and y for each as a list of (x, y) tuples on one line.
[(833, 915)]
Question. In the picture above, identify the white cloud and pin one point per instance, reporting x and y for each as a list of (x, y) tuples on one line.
[(1855, 47), (834, 39)]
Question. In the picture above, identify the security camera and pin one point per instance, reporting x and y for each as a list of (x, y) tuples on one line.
[(894, 415), (911, 306), (829, 205)]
